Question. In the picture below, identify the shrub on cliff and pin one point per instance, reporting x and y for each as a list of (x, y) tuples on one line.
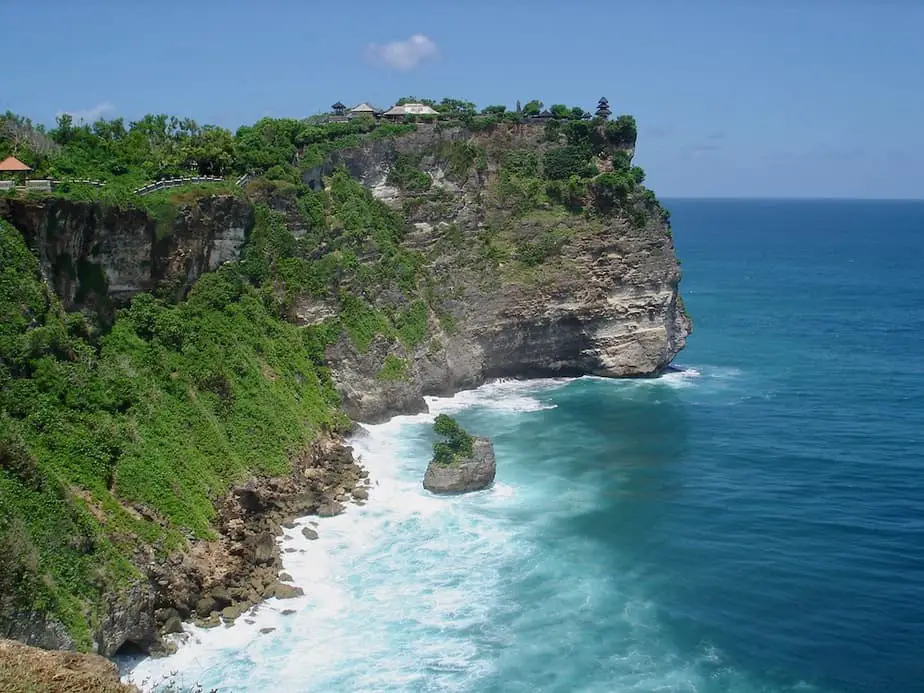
[(455, 444), (622, 132)]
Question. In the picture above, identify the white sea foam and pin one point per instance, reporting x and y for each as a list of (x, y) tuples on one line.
[(413, 592), (502, 395), (380, 580)]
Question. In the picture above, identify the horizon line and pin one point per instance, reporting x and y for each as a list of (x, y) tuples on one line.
[(769, 198)]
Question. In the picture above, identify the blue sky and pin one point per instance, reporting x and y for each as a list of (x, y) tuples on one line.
[(815, 98)]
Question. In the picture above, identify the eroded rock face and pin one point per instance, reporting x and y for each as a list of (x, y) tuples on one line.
[(606, 304), (469, 474), (37, 630), (129, 618), (90, 251)]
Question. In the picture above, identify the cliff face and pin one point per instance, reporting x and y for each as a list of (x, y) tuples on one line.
[(91, 252), (606, 302), (488, 267)]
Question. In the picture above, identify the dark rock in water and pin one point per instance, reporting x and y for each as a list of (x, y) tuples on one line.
[(288, 612), (230, 613), (330, 508), (468, 474), (282, 591), (211, 622), (309, 533), (264, 631), (359, 493), (285, 577), (205, 606), (222, 597)]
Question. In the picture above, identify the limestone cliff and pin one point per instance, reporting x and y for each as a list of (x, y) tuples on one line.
[(93, 254), (606, 302)]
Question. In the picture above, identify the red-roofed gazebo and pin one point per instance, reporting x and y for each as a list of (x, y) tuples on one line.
[(13, 165)]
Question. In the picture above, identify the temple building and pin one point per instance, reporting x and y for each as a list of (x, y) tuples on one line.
[(363, 109), (409, 109)]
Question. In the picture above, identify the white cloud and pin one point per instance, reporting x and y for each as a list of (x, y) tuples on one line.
[(402, 55), (90, 115)]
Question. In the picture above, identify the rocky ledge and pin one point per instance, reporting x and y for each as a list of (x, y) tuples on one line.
[(466, 474), (25, 669), (217, 580)]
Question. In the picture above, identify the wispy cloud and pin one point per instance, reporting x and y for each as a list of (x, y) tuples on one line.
[(402, 55), (698, 151), (656, 132), (90, 115)]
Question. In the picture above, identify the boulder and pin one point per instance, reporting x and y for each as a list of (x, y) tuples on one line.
[(262, 547), (282, 591), (467, 474), (229, 613), (309, 533)]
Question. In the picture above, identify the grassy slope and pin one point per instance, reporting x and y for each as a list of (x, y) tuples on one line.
[(166, 410)]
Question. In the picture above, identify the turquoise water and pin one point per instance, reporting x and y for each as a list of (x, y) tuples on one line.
[(753, 522)]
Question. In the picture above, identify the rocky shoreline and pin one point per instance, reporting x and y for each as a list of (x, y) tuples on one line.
[(216, 581)]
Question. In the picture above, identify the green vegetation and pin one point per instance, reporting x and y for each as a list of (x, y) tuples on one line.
[(406, 174), (455, 444), (128, 156), (535, 252), (393, 369), (125, 439), (163, 413)]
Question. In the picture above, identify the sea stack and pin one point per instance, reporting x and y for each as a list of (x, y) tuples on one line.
[(470, 473)]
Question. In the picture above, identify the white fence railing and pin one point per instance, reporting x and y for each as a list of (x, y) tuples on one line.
[(177, 182), (47, 185)]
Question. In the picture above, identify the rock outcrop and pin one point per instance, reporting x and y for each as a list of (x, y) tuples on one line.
[(224, 577), (25, 669), (93, 253), (472, 473), (606, 304), (37, 630)]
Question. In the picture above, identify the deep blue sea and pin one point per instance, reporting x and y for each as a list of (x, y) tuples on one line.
[(752, 522)]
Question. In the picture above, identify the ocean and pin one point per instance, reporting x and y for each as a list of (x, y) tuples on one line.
[(753, 521)]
